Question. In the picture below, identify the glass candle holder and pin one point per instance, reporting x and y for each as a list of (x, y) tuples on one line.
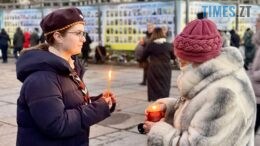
[(154, 113)]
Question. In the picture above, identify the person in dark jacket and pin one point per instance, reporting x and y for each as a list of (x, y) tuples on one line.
[(42, 38), (35, 38), (235, 39), (249, 47), (4, 40), (144, 43), (86, 48), (18, 41), (54, 107), (159, 69), (100, 54)]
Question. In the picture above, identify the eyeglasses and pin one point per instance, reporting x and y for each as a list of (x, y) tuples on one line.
[(80, 34)]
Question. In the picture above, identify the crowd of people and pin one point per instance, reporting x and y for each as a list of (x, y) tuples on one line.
[(219, 89), (21, 40)]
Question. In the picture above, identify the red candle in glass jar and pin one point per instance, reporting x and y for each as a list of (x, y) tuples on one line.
[(154, 113)]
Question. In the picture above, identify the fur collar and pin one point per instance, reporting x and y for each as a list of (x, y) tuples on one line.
[(160, 41), (191, 82)]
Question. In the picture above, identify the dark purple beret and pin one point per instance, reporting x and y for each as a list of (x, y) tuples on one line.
[(61, 19)]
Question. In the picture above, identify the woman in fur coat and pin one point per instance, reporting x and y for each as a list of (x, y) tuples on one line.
[(217, 104)]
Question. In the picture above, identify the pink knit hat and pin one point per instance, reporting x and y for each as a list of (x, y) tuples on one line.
[(198, 42)]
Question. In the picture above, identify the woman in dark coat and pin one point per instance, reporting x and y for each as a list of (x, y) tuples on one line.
[(54, 108), (4, 39), (18, 42), (159, 70), (86, 48), (235, 39)]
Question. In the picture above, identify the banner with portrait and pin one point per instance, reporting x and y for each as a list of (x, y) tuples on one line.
[(1, 19), (90, 14), (124, 25), (26, 19)]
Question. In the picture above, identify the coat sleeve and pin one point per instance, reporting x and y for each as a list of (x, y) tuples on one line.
[(146, 52), (213, 123), (45, 103), (169, 102)]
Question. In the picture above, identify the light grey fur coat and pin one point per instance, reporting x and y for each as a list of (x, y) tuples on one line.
[(219, 110)]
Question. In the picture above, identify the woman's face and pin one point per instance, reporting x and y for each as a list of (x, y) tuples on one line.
[(73, 39)]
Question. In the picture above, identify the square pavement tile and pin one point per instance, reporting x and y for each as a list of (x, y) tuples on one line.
[(2, 103), (98, 130), (8, 140), (8, 110), (10, 98), (137, 95), (122, 120), (120, 138), (10, 91), (137, 109), (6, 129), (9, 120), (124, 102)]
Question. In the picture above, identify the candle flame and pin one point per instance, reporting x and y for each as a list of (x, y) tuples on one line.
[(109, 75), (154, 107)]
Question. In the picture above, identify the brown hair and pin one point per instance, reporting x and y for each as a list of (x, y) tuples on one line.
[(157, 34)]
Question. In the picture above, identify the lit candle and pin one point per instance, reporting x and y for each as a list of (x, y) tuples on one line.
[(109, 80), (154, 113)]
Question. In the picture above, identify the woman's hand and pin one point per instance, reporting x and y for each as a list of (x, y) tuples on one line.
[(109, 97), (147, 126)]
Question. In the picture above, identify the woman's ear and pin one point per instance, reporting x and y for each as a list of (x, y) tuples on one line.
[(182, 62), (58, 37)]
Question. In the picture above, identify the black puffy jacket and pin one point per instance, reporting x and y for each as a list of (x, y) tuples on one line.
[(50, 108)]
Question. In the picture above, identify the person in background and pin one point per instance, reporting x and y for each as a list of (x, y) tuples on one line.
[(234, 39), (35, 38), (159, 69), (216, 106), (100, 54), (201, 15), (4, 41), (167, 33), (54, 107), (26, 43), (249, 47), (255, 72), (18, 41), (144, 42), (42, 38), (86, 48), (225, 41)]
